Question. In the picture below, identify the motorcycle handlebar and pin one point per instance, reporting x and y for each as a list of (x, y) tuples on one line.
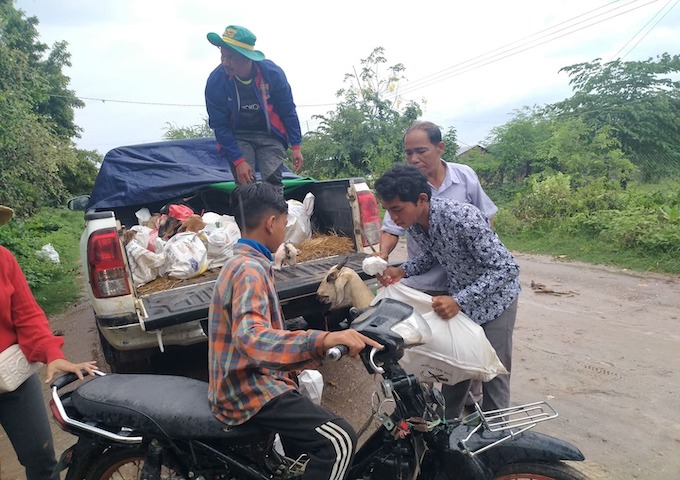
[(337, 352)]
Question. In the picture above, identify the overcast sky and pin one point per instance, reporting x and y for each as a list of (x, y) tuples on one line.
[(141, 64)]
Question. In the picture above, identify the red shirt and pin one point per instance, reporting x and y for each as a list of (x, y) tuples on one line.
[(22, 320)]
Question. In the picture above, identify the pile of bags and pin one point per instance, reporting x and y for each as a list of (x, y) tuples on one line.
[(181, 244)]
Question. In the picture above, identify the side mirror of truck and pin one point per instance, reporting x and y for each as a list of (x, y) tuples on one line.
[(79, 203)]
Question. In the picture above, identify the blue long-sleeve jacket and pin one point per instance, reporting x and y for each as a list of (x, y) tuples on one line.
[(276, 99)]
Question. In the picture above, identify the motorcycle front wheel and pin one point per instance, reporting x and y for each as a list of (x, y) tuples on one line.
[(125, 464), (539, 471)]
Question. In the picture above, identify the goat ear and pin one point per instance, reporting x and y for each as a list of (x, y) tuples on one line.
[(340, 284)]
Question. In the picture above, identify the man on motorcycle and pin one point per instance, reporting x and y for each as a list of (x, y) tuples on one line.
[(252, 357)]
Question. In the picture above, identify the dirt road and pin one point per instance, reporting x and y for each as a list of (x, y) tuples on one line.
[(598, 343)]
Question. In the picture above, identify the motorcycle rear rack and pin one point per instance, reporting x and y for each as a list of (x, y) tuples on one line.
[(513, 421)]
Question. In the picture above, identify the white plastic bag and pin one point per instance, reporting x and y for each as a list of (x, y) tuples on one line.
[(299, 226), (459, 349), (48, 253), (144, 264), (185, 256), (219, 235), (373, 266), (311, 385)]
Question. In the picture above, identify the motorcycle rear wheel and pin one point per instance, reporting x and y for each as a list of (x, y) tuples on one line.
[(539, 471), (125, 464)]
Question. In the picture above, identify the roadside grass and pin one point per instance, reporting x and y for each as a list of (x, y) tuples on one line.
[(562, 244), (55, 286)]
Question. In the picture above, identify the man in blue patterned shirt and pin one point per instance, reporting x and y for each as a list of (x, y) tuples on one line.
[(482, 275)]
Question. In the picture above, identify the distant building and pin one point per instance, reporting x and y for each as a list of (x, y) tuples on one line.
[(473, 148)]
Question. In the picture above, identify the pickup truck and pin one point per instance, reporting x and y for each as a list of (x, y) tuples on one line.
[(134, 327)]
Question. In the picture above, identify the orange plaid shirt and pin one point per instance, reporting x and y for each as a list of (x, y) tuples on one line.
[(250, 353)]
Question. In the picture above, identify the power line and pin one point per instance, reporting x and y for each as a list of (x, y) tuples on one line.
[(648, 31)]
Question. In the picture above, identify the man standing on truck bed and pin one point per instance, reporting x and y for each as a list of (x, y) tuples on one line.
[(251, 109)]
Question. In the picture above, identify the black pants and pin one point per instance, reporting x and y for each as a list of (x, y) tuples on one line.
[(23, 416), (305, 427)]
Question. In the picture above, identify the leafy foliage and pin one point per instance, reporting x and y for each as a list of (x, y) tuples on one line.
[(174, 132), (36, 118), (363, 136), (53, 284), (638, 101)]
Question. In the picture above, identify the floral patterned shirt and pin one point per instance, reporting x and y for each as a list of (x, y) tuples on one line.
[(482, 275)]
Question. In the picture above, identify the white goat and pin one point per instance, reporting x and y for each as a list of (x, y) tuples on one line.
[(343, 287), (285, 256)]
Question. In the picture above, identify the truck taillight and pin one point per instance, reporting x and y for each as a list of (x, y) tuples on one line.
[(106, 264), (370, 217)]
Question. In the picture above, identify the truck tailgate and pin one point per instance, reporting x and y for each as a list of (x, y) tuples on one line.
[(191, 302)]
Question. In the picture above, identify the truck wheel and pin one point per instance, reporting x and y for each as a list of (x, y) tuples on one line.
[(124, 362)]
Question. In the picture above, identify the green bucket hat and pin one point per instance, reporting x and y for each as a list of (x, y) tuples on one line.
[(239, 39), (5, 214)]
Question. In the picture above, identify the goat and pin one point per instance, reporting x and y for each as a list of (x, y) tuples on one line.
[(343, 287), (285, 256), (193, 223)]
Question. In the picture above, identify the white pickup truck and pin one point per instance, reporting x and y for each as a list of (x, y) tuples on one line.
[(135, 326)]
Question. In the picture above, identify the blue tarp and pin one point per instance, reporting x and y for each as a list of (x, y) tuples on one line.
[(151, 172)]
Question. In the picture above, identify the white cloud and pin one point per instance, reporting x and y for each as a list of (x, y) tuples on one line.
[(156, 52)]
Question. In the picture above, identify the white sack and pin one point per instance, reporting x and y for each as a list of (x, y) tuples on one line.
[(311, 385), (185, 255), (144, 264), (459, 349), (299, 226), (219, 235)]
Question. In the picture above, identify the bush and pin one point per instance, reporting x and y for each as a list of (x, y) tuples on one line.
[(53, 284)]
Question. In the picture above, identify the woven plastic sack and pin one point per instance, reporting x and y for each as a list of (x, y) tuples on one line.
[(185, 256), (458, 351)]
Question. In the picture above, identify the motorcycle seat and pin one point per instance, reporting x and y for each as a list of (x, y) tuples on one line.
[(169, 405)]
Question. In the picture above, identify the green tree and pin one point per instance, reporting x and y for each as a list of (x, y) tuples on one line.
[(79, 170), (450, 139), (174, 132), (36, 115), (533, 144), (639, 100), (363, 136)]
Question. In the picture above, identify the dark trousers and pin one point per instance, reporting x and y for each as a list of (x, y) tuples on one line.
[(304, 427), (24, 419), (265, 153), (496, 392)]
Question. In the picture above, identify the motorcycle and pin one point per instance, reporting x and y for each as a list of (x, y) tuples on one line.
[(161, 427)]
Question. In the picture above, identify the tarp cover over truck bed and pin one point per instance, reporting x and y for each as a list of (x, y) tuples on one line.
[(151, 172)]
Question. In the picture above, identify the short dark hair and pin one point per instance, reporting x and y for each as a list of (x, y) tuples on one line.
[(252, 202), (404, 182), (434, 133)]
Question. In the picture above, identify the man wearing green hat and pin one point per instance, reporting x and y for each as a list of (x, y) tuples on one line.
[(251, 109)]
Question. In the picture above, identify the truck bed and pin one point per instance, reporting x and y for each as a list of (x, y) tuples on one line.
[(295, 285)]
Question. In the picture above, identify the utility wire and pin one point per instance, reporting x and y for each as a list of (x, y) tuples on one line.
[(648, 31)]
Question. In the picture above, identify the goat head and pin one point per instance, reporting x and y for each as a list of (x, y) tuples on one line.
[(334, 287)]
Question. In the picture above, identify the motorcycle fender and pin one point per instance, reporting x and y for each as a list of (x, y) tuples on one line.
[(65, 460), (528, 446)]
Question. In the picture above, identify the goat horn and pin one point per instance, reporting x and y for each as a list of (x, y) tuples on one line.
[(342, 263)]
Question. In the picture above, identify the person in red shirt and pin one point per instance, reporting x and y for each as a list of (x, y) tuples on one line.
[(22, 411), (251, 356)]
